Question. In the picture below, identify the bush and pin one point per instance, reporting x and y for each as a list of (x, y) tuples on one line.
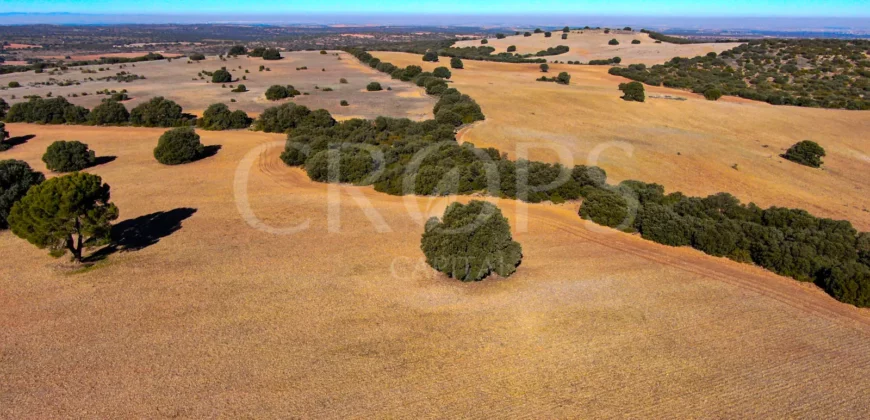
[(67, 213), (280, 119), (157, 112), (547, 34), (471, 242), (564, 36), (271, 54), (613, 42), (237, 50), (563, 78), (240, 88), (196, 56), (68, 156), (343, 103), (442, 72), (456, 63), (712, 94), (13, 85), (16, 177), (605, 207), (430, 56), (178, 146), (219, 117), (632, 91), (527, 34), (511, 48), (221, 76), (373, 87), (806, 152), (278, 92), (545, 67), (47, 111), (484, 41), (342, 81), (109, 113), (635, 41)]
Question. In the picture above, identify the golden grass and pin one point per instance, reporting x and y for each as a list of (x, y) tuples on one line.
[(689, 146), (222, 320), (593, 45)]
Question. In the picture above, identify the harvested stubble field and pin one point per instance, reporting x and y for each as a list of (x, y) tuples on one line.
[(689, 146), (593, 45), (218, 319), (173, 80)]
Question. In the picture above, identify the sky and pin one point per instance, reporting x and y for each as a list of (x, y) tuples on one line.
[(718, 8)]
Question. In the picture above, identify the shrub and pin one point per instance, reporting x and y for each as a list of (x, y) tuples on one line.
[(547, 34), (613, 42), (471, 242), (563, 78), (196, 56), (322, 52), (221, 76), (219, 117), (712, 94), (68, 156), (806, 152), (47, 111), (237, 50), (178, 146), (271, 54), (545, 67), (240, 88), (109, 112), (280, 119), (605, 207), (343, 103), (484, 41), (564, 36), (456, 63), (14, 85), (342, 81), (527, 34), (442, 72), (511, 48), (119, 96), (16, 177), (373, 87), (67, 213), (635, 41), (430, 56), (499, 36), (632, 91), (278, 92), (157, 112)]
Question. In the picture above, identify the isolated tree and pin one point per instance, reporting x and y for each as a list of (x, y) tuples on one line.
[(806, 152), (430, 56), (471, 242), (157, 112), (373, 87), (564, 36), (68, 156), (499, 36), (178, 146), (511, 48), (16, 177), (566, 29), (196, 56), (563, 78), (221, 76), (343, 103), (632, 91), (109, 112), (237, 50), (712, 94), (613, 42), (442, 72), (271, 54), (240, 88), (527, 34), (538, 30), (14, 84), (545, 67), (484, 41), (456, 63), (67, 213), (547, 34)]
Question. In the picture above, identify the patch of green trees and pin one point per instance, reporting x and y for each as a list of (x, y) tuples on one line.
[(16, 177), (47, 111), (807, 153), (219, 117), (68, 156), (278, 92)]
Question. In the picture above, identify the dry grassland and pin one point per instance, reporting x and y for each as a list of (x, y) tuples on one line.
[(173, 80), (689, 146), (593, 45), (219, 319)]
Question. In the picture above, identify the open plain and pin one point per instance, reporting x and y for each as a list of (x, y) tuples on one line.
[(208, 316)]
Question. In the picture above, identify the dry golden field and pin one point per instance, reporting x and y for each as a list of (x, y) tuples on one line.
[(593, 45), (216, 318), (690, 146), (174, 80)]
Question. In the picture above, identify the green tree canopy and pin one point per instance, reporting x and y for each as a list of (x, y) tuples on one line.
[(16, 177), (221, 76), (109, 112), (157, 112), (178, 146), (806, 152), (632, 91), (456, 63), (68, 156), (442, 72)]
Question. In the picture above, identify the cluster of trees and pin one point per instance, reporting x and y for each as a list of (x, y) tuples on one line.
[(563, 78), (614, 60), (289, 116), (470, 242), (237, 50), (157, 112), (278, 92), (47, 111), (826, 73), (196, 56), (219, 117), (559, 49), (265, 53), (790, 242), (40, 66), (806, 152), (632, 91)]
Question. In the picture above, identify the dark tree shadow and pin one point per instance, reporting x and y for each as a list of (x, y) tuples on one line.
[(208, 151), (142, 232), (15, 141), (102, 160)]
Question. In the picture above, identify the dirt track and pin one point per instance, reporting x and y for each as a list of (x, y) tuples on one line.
[(221, 319)]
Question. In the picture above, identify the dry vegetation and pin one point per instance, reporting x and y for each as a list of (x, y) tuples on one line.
[(689, 146), (174, 80), (593, 45), (220, 319)]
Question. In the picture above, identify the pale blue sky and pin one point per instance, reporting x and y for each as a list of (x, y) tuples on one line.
[(838, 8)]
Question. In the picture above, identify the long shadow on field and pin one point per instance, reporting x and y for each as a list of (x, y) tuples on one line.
[(15, 141), (102, 160), (143, 231), (208, 151)]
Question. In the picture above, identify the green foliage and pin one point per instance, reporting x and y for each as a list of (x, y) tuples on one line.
[(178, 146), (442, 72), (712, 94), (545, 67), (47, 111), (290, 116), (158, 112), (547, 34), (237, 50), (109, 112), (614, 60), (605, 207), (271, 54), (613, 42), (373, 87), (14, 84), (632, 91), (343, 103), (68, 156), (4, 108), (511, 48), (559, 49), (240, 88), (430, 56), (3, 136), (278, 92), (67, 213), (456, 63), (16, 177), (806, 152), (471, 242), (219, 117), (484, 41), (221, 76), (563, 78), (196, 56), (635, 41), (564, 36)]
